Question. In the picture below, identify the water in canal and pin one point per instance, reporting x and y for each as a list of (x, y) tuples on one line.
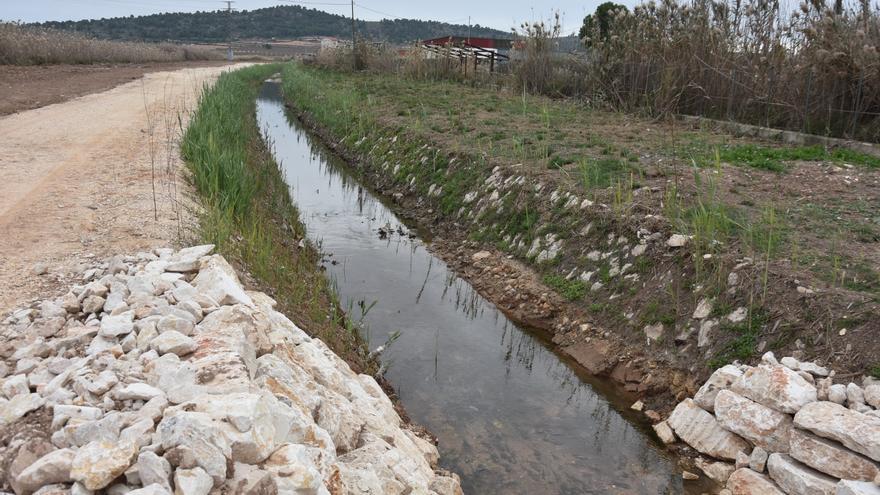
[(512, 416)]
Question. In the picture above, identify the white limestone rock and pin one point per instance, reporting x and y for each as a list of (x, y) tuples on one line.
[(15, 385), (173, 342), (700, 430), (100, 462), (721, 379), (137, 391), (718, 472), (872, 395), (53, 467), (758, 424), (217, 280), (18, 406), (831, 458), (664, 432), (837, 393), (154, 469), (114, 326), (854, 430), (850, 487), (776, 387), (193, 481), (796, 478), (758, 459), (744, 481), (154, 489), (196, 440)]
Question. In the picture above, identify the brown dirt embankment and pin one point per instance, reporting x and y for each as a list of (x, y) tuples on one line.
[(78, 177), (33, 86)]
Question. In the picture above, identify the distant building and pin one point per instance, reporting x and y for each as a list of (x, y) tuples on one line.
[(490, 51)]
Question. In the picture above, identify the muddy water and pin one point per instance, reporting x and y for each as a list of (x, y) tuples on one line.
[(511, 415)]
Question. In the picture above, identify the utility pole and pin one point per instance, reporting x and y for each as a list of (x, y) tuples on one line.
[(354, 57), (469, 30), (229, 29)]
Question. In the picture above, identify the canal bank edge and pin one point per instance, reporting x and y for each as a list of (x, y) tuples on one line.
[(158, 373)]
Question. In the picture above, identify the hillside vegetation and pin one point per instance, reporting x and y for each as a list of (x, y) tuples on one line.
[(272, 22)]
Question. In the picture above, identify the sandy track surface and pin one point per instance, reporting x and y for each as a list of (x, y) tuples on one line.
[(77, 179)]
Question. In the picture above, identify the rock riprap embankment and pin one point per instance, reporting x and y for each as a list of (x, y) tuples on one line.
[(782, 427), (161, 374)]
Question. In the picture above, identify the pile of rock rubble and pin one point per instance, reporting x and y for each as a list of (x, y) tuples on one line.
[(160, 374), (782, 427)]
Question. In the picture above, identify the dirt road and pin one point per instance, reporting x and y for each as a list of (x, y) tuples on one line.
[(77, 179)]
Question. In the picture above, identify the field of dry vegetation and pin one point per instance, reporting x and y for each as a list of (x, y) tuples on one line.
[(21, 45)]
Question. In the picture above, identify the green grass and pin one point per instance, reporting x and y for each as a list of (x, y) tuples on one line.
[(656, 312), (248, 214), (874, 371), (743, 337), (573, 290), (774, 159)]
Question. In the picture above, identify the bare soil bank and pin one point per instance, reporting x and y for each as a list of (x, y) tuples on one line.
[(34, 86)]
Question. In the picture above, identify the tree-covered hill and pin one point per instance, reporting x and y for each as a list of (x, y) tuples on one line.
[(273, 22)]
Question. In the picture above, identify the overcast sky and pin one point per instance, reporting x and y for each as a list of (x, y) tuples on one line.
[(498, 14)]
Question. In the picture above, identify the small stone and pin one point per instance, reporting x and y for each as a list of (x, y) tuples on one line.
[(747, 482), (758, 459), (154, 469), (814, 369), (99, 463), (742, 460), (872, 395), (854, 394), (154, 489), (738, 315), (15, 385), (677, 240), (705, 334), (704, 309), (192, 482), (40, 269), (114, 326), (689, 476), (18, 406), (664, 432), (93, 304), (654, 332), (175, 323), (837, 393), (637, 406), (718, 472), (138, 391), (53, 467), (173, 342), (790, 362)]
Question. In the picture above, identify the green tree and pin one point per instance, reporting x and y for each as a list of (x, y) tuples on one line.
[(603, 17)]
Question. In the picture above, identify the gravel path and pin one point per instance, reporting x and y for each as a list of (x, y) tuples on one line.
[(76, 179)]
